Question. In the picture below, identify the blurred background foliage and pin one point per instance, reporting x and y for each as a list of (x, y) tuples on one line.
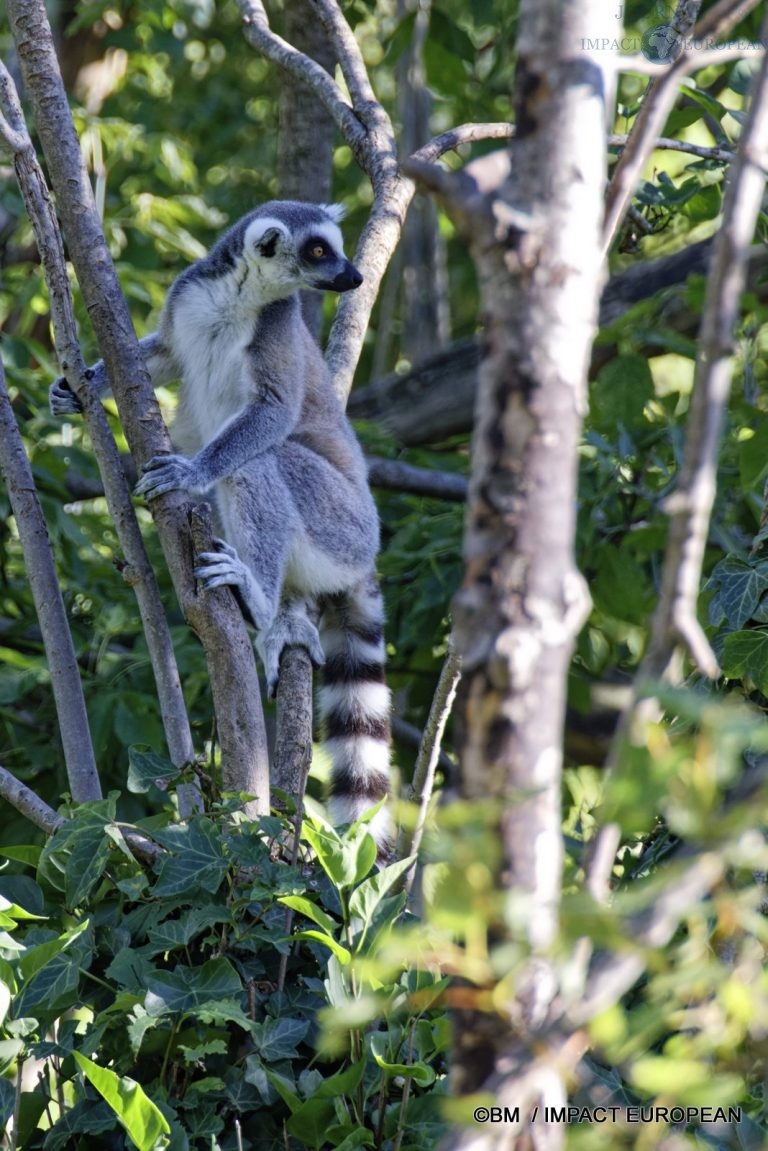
[(179, 122)]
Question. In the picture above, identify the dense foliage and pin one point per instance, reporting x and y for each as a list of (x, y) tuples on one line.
[(245, 1026)]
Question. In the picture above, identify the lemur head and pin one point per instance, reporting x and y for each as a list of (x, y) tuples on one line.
[(289, 245)]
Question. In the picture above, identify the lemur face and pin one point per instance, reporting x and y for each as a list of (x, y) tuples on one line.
[(309, 257)]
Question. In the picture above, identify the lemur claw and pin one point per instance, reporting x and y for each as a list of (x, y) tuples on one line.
[(62, 400)]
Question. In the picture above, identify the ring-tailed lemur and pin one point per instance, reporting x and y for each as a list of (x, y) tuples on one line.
[(259, 424)]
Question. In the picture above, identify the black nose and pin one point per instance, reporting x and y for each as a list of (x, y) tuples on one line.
[(348, 279)]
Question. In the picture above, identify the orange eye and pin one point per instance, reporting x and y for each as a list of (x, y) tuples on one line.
[(318, 251)]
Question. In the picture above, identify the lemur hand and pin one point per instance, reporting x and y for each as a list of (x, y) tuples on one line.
[(62, 400), (168, 473)]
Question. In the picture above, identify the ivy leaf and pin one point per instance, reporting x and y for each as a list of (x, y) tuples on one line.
[(738, 586), (145, 1124), (195, 860), (189, 988), (745, 653), (277, 1038), (147, 769)]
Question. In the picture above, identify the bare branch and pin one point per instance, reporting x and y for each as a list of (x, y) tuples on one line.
[(82, 773), (261, 37), (350, 57), (664, 143), (403, 477), (613, 975), (138, 572), (214, 615), (422, 785), (657, 104), (463, 134), (35, 809)]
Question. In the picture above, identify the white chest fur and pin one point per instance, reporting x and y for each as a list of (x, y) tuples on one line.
[(210, 332)]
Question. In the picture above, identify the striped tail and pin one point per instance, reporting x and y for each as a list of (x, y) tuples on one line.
[(355, 704)]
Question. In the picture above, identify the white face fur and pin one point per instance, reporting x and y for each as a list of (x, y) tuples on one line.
[(271, 251)]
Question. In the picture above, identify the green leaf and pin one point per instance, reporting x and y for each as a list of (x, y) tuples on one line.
[(742, 75), (344, 1082), (619, 394), (753, 458), (687, 1081), (51, 990), (277, 1038), (346, 859), (745, 654), (22, 853), (739, 587), (143, 1121), (195, 860), (310, 1122), (36, 958), (311, 911), (365, 899), (189, 988), (421, 1073), (176, 933), (328, 941), (147, 769)]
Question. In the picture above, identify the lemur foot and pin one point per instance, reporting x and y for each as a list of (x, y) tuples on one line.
[(62, 400), (292, 627), (224, 568)]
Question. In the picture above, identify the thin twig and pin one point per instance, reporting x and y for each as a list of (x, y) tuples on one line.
[(463, 134), (303, 68), (423, 782), (665, 144)]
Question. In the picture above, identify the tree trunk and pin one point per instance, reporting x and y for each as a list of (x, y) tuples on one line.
[(533, 218)]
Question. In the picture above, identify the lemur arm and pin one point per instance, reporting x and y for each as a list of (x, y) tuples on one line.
[(257, 428), (158, 360)]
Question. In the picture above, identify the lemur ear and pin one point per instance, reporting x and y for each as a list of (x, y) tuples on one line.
[(337, 212), (267, 244), (264, 236)]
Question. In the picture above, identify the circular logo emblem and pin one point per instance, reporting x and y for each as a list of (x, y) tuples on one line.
[(661, 44)]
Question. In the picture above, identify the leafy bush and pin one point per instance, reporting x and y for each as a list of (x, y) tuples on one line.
[(178, 1004)]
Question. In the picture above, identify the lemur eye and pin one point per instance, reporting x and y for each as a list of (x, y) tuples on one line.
[(318, 251)]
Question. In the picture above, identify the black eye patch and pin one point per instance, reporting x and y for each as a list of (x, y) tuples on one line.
[(316, 249)]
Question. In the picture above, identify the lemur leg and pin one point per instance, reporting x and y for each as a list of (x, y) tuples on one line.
[(338, 537), (259, 522)]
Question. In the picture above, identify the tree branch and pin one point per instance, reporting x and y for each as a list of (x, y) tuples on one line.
[(82, 773), (401, 477), (422, 785), (463, 134), (31, 806), (666, 144), (214, 615), (138, 572)]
